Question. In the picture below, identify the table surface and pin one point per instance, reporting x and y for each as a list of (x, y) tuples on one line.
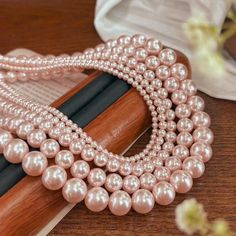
[(56, 27)]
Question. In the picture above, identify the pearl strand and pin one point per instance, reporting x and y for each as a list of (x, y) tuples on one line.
[(179, 144)]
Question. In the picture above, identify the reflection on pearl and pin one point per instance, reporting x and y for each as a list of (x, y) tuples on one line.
[(96, 177), (201, 149), (147, 181), (5, 137), (34, 163), (54, 177), (49, 148), (181, 181), (142, 201), (163, 193), (24, 129), (64, 159), (36, 137), (15, 150), (80, 169), (194, 165), (131, 183), (97, 199), (74, 190), (119, 203), (113, 182)]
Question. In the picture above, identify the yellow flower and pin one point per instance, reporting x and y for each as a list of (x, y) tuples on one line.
[(190, 216)]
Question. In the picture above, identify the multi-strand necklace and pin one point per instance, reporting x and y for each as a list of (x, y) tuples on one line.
[(179, 144)]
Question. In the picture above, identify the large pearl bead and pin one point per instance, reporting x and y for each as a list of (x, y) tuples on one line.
[(64, 159), (120, 203), (167, 56), (14, 123), (65, 139), (49, 148), (201, 119), (194, 166), (181, 181), (88, 153), (153, 46), (185, 125), (181, 151), (147, 181), (173, 163), (24, 129), (113, 165), (196, 103), (179, 71), (97, 199), (96, 177), (15, 150), (74, 190), (100, 159), (36, 137), (80, 169), (34, 163), (125, 168), (203, 134), (201, 149), (184, 138), (54, 177), (137, 169), (178, 97), (189, 87), (162, 173), (142, 201), (76, 146), (131, 184), (5, 137), (163, 193), (113, 182)]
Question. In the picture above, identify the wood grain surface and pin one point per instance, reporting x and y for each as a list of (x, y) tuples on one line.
[(57, 26)]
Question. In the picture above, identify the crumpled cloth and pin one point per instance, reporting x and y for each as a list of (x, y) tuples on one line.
[(164, 19)]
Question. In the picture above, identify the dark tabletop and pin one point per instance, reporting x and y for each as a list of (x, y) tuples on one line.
[(55, 27)]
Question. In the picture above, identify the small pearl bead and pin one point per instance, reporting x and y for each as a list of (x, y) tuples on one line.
[(5, 137)]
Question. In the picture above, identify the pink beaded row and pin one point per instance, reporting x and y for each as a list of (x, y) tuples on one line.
[(176, 153)]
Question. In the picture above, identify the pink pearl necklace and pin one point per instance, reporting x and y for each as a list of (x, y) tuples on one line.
[(176, 153)]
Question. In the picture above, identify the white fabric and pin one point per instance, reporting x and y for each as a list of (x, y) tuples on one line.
[(163, 19)]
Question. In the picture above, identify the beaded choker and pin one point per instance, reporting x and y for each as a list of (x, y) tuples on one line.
[(179, 144)]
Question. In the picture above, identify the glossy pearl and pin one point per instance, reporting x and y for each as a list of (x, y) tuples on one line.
[(143, 201), (163, 193), (74, 190), (194, 166), (203, 134), (184, 138), (147, 181), (14, 123), (80, 169), (173, 163), (36, 137), (76, 146), (185, 125), (179, 71), (201, 119), (178, 97), (15, 150), (96, 177), (64, 159), (65, 139), (181, 181), (189, 87), (88, 153), (54, 177), (181, 151), (162, 72), (183, 111), (203, 150), (97, 199), (100, 159), (120, 203), (196, 103), (171, 84), (125, 168), (162, 173), (5, 137), (34, 163), (113, 182), (153, 46), (137, 169), (49, 148), (167, 56), (24, 129), (131, 184), (113, 165)]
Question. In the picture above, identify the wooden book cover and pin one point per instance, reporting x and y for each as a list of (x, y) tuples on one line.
[(30, 209)]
